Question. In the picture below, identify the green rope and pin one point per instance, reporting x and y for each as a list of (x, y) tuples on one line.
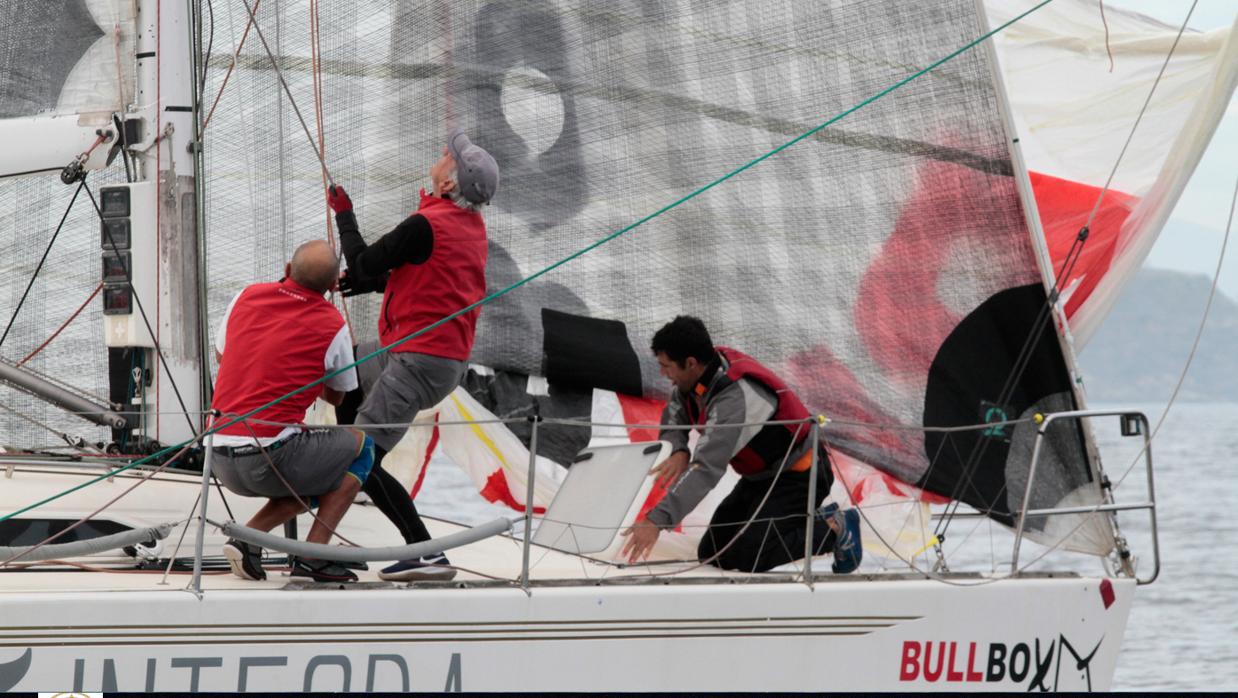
[(498, 294)]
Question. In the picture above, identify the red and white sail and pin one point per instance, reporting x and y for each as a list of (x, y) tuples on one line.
[(1075, 94)]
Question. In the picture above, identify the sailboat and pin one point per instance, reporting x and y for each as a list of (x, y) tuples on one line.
[(911, 211)]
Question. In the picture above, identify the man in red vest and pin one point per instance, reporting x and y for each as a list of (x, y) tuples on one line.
[(430, 266), (761, 524), (273, 339)]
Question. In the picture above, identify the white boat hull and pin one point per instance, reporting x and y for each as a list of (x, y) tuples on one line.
[(864, 634)]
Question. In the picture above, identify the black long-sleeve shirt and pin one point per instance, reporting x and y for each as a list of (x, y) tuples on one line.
[(411, 242)]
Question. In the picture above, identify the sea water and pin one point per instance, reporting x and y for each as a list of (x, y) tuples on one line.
[(1183, 629)]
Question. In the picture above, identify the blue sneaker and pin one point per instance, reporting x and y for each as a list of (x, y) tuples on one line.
[(425, 568), (848, 552)]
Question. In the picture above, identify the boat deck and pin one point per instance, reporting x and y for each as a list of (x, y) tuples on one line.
[(169, 497)]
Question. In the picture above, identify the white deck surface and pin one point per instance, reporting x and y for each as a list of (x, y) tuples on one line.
[(171, 497)]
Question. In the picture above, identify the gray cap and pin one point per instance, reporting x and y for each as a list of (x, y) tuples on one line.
[(477, 174)]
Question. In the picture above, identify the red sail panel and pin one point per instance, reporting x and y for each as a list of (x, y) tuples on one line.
[(1064, 208)]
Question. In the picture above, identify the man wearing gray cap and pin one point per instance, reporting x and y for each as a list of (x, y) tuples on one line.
[(430, 266)]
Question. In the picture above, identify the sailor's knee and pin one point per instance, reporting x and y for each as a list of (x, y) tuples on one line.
[(363, 464)]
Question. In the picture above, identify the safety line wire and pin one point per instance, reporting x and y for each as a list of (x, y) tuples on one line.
[(184, 449), (1216, 277), (579, 253)]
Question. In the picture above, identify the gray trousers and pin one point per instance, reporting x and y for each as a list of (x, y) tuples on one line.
[(397, 386)]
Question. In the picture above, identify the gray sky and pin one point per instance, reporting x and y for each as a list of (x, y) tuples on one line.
[(1192, 238)]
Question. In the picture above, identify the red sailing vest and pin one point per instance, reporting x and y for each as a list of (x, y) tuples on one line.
[(276, 341), (419, 295), (768, 446)]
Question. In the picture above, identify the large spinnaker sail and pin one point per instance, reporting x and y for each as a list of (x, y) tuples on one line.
[(1073, 110), (883, 266)]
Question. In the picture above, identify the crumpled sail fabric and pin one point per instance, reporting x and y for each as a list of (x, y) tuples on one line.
[(1073, 114), (883, 267)]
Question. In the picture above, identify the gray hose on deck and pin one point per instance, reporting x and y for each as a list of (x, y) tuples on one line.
[(344, 553), (60, 551)]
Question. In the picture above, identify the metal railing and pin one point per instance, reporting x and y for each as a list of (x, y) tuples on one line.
[(1133, 423)]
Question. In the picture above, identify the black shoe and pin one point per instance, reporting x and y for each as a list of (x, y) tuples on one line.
[(434, 567), (245, 560), (321, 570)]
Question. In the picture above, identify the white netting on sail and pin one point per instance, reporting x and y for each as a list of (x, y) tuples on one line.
[(882, 267), (847, 262)]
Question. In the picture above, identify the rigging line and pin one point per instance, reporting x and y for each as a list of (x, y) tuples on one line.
[(21, 415), (279, 73), (1081, 239), (316, 69), (1173, 396), (288, 486), (206, 61), (1085, 518), (228, 75), (117, 498), (60, 329), (972, 462), (107, 230), (184, 529), (1108, 48), (1016, 373), (584, 250), (1139, 117), (39, 268)]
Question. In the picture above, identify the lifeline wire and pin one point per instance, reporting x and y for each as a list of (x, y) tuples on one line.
[(585, 250), (1216, 277)]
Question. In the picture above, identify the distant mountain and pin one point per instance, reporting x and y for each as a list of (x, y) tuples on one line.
[(1139, 351)]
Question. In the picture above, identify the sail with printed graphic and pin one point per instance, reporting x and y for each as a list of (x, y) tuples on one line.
[(894, 267)]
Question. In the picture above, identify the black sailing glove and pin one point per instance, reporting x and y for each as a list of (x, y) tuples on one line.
[(355, 286)]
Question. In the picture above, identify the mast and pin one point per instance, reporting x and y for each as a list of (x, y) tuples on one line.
[(159, 210)]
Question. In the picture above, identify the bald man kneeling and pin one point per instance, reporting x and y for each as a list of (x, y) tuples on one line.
[(273, 339)]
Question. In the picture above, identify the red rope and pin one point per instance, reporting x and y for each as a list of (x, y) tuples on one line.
[(66, 324), (228, 75), (316, 71)]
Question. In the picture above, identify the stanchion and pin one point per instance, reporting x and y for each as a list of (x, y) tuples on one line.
[(207, 442), (528, 505), (815, 438)]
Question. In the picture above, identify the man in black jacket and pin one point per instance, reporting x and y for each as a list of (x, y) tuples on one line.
[(430, 267)]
